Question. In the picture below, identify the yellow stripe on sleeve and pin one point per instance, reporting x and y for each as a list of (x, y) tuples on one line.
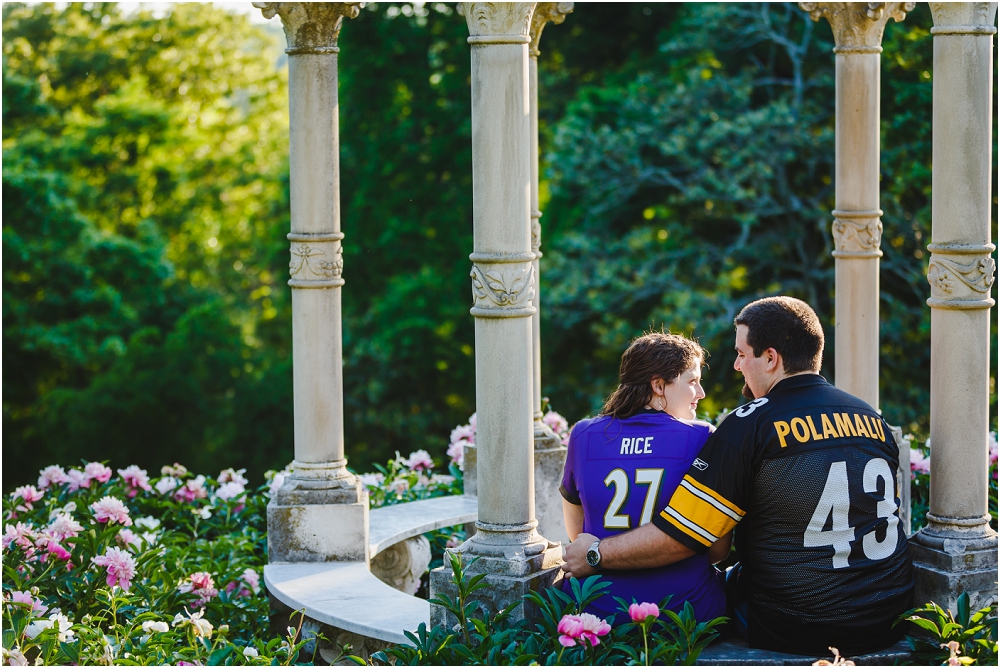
[(700, 512), (689, 532), (732, 506)]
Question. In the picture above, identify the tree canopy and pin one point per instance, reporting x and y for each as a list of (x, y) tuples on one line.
[(687, 169)]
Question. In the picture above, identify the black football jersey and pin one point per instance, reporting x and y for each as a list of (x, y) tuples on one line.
[(807, 476)]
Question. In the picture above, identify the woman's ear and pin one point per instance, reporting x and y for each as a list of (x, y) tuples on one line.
[(658, 385)]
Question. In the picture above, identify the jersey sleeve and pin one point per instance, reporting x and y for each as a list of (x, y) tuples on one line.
[(568, 488), (709, 501)]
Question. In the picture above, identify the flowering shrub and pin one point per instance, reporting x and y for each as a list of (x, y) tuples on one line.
[(920, 480), (561, 635), (465, 434), (102, 569)]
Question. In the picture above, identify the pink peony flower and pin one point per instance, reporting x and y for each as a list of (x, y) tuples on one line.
[(175, 471), (463, 432), (556, 422), (135, 478), (420, 461), (639, 612), (166, 484), (28, 494), (77, 479), (252, 578), (201, 585), (109, 509), (63, 526), (192, 490), (277, 481), (919, 462), (229, 490), (570, 627), (127, 538), (593, 627), (229, 475), (51, 475), (372, 479), (120, 565), (37, 607), (98, 471), (457, 452), (53, 547), (21, 535), (472, 422), (399, 486)]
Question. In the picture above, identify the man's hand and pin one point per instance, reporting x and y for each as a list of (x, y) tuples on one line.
[(576, 556)]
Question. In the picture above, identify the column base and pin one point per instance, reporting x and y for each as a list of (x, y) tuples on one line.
[(550, 459), (510, 579), (947, 565), (309, 525)]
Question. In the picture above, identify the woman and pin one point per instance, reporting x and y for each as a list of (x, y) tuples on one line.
[(623, 466)]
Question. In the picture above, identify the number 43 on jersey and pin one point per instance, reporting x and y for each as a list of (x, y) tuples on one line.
[(836, 501)]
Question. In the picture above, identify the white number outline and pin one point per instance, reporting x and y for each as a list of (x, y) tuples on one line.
[(744, 411), (612, 520), (652, 478), (835, 500)]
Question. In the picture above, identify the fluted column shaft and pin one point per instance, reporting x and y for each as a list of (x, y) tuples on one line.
[(503, 281), (961, 271), (857, 228)]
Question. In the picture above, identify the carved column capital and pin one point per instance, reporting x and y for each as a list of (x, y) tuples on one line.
[(498, 22), (311, 27), (546, 12), (963, 18), (857, 26)]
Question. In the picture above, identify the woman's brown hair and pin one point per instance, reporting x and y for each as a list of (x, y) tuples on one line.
[(653, 355)]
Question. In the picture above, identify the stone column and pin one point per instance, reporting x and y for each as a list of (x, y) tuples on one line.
[(515, 558), (957, 550), (321, 512), (857, 229), (550, 453)]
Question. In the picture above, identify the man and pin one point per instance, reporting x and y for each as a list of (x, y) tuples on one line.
[(805, 474)]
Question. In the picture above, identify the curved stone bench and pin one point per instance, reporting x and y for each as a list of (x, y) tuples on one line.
[(346, 595)]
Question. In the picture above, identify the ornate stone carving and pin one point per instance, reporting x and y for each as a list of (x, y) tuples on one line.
[(498, 22), (963, 18), (959, 284), (402, 565), (317, 260), (857, 233), (546, 12), (502, 286), (857, 26), (310, 27), (977, 275)]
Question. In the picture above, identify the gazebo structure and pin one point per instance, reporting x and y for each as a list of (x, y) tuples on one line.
[(321, 536)]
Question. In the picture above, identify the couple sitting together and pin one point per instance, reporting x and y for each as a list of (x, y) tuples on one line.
[(802, 478)]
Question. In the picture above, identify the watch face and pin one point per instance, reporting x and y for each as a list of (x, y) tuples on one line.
[(593, 557)]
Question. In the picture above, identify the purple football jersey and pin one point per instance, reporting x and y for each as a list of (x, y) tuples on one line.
[(624, 471)]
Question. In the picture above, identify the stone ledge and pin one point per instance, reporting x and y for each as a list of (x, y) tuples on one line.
[(736, 652), (346, 595), (389, 525)]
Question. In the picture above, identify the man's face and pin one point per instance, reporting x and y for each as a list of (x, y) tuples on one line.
[(753, 368)]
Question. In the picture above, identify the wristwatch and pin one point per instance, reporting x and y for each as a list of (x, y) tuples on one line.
[(594, 555)]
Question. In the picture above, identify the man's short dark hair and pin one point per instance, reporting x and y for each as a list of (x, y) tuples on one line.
[(789, 326)]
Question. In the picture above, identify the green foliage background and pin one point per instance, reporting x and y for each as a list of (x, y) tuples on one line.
[(687, 164)]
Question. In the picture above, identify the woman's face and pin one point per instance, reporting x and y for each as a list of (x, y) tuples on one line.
[(682, 395)]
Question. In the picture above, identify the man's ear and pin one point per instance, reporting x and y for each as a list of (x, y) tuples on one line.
[(774, 362)]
